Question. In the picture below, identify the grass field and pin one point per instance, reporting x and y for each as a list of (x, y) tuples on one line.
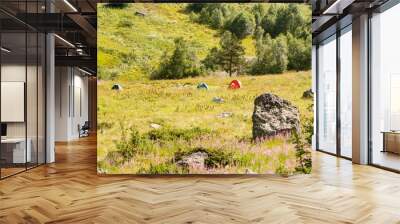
[(130, 48), (178, 104)]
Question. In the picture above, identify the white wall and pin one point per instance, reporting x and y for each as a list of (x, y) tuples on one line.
[(71, 87)]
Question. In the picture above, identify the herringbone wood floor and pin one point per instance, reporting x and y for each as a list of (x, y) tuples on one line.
[(70, 191)]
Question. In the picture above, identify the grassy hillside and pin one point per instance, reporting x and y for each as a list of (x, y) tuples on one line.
[(131, 46)]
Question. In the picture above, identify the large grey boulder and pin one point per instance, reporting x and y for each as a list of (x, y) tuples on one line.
[(273, 116)]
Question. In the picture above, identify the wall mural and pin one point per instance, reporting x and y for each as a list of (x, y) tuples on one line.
[(218, 88)]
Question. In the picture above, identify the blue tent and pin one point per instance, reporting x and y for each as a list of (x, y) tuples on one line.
[(202, 85)]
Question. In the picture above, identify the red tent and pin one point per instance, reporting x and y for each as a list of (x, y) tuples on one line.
[(235, 84)]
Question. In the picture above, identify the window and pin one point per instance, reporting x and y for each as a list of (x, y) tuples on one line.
[(327, 95), (346, 92), (385, 89)]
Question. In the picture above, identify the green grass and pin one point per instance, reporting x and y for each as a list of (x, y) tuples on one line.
[(130, 48), (180, 105)]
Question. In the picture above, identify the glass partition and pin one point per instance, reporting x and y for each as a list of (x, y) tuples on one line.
[(327, 95), (346, 92), (14, 153), (22, 101)]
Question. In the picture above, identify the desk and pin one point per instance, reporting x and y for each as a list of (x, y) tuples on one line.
[(391, 141), (13, 150)]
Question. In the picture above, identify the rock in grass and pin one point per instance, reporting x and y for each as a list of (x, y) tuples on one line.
[(194, 160), (308, 94), (155, 126), (217, 99), (273, 116), (225, 114)]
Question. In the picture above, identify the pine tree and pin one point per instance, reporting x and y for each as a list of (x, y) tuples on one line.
[(231, 55)]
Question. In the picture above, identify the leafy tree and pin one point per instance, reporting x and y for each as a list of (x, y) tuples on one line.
[(271, 55), (259, 11), (195, 7), (284, 19), (181, 64), (299, 53), (215, 15), (211, 62), (231, 54), (242, 25), (117, 5)]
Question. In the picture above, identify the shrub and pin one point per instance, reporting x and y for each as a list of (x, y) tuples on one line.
[(195, 7), (117, 5), (170, 134), (181, 64), (124, 22), (303, 156), (242, 25)]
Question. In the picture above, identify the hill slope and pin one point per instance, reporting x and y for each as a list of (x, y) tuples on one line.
[(131, 45)]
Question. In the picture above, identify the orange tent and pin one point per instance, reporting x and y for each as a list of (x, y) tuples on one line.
[(235, 84)]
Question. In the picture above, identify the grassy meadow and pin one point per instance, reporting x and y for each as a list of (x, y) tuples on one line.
[(151, 125)]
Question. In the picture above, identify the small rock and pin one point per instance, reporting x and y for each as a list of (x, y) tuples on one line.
[(217, 99), (194, 160), (308, 94), (155, 126), (225, 114)]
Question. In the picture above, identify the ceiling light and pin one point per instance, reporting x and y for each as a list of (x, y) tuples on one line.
[(64, 40), (70, 5), (5, 50), (337, 7), (84, 71)]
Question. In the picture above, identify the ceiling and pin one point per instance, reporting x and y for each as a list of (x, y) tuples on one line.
[(73, 21)]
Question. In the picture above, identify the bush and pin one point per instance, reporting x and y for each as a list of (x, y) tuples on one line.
[(195, 7), (303, 156), (242, 25), (299, 53), (181, 64), (117, 5), (124, 22), (170, 134), (271, 56)]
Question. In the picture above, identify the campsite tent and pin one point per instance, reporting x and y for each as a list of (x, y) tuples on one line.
[(116, 87), (202, 85), (235, 84)]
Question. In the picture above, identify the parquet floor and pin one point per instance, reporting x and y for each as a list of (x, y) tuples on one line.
[(69, 191)]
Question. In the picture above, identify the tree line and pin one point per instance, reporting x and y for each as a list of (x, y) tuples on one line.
[(280, 32)]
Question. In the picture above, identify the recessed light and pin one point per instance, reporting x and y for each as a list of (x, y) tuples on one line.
[(5, 50), (64, 40), (70, 5)]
